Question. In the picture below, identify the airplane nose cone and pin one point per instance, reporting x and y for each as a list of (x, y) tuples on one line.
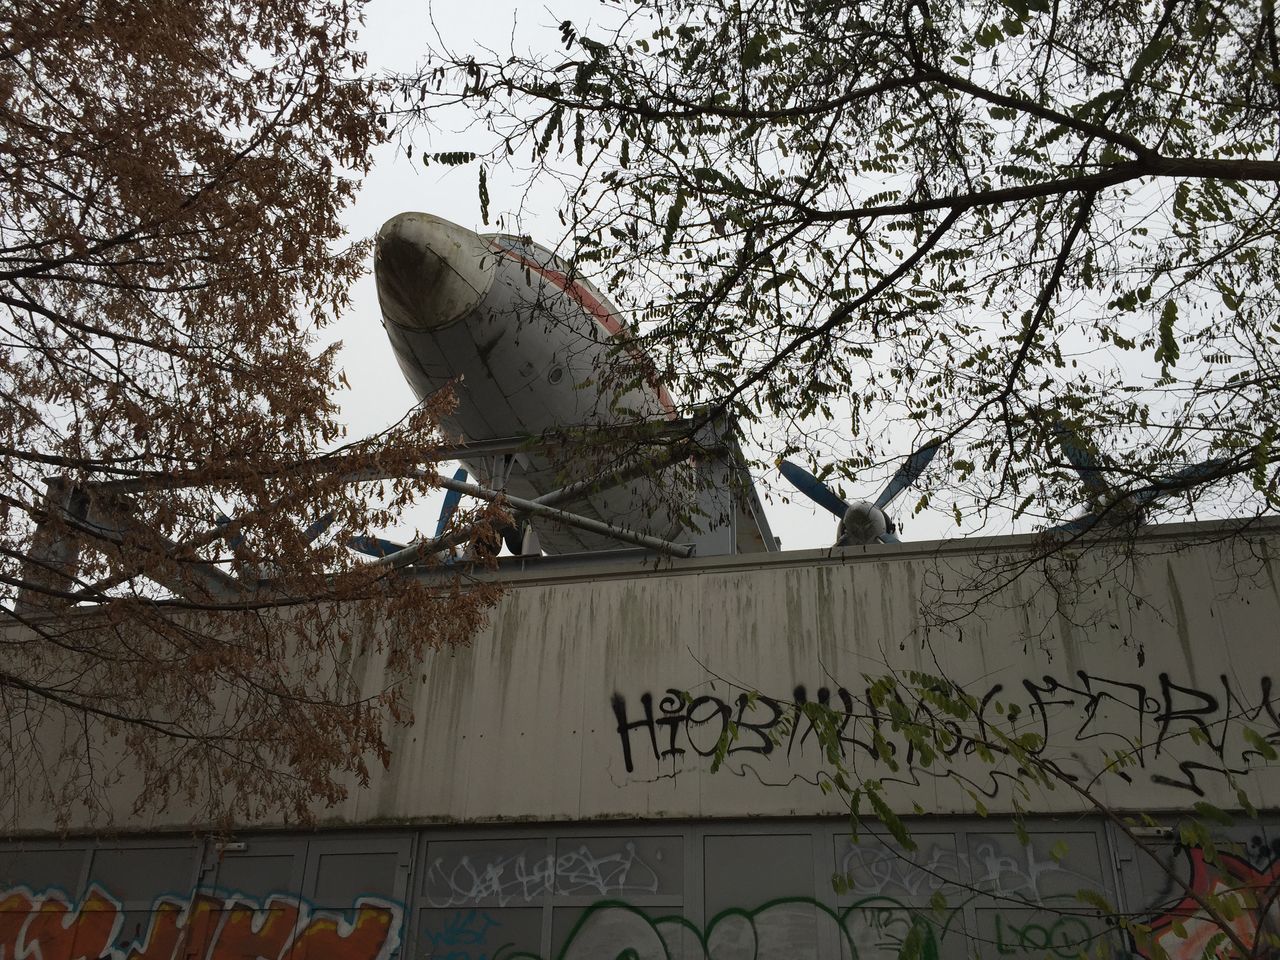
[(862, 523), (430, 272)]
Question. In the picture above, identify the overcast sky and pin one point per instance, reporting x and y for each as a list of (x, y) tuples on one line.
[(395, 35)]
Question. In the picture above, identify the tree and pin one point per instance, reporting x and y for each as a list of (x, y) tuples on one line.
[(1031, 228), (170, 246), (1044, 232)]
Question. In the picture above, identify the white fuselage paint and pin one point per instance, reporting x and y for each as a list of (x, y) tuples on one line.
[(530, 350)]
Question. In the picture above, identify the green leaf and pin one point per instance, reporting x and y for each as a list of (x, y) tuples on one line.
[(1210, 812), (1096, 900), (753, 52), (1259, 743), (1168, 352), (892, 822), (1151, 53), (673, 221), (484, 196)]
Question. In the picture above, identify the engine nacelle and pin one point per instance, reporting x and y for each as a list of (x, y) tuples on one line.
[(863, 523)]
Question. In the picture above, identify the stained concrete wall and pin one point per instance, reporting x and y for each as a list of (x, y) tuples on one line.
[(600, 689), (602, 693), (554, 798)]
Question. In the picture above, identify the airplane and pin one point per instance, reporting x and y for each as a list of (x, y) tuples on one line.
[(862, 522), (528, 347)]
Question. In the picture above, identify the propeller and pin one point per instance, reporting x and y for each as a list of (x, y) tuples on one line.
[(313, 530), (221, 521), (379, 547), (1110, 506), (374, 546), (862, 522), (451, 498), (317, 527)]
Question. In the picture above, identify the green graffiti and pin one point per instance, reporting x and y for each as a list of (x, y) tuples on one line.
[(781, 929)]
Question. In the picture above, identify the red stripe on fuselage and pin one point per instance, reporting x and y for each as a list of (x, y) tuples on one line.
[(598, 311)]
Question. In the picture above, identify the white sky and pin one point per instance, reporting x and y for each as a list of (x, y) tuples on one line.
[(394, 37)]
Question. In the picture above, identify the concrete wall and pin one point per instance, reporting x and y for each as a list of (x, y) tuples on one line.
[(725, 890), (600, 690), (602, 693), (554, 798)]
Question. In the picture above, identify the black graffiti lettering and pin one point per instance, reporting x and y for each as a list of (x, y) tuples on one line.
[(823, 703), (1096, 714), (799, 697), (1042, 699), (1085, 707), (624, 727), (1203, 705), (673, 718), (699, 716), (847, 707), (761, 730)]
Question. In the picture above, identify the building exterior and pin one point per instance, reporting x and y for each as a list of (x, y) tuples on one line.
[(555, 797)]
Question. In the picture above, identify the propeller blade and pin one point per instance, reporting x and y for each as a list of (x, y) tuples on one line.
[(451, 499), (889, 538), (374, 546), (908, 473), (220, 521), (1076, 526), (813, 488), (1081, 459), (317, 527), (1194, 471)]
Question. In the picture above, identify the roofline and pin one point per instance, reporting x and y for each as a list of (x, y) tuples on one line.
[(640, 563)]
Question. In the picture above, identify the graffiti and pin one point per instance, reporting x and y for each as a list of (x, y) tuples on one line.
[(784, 929), (1141, 719), (1062, 936), (1018, 872), (463, 936), (46, 925), (520, 878), (1248, 898)]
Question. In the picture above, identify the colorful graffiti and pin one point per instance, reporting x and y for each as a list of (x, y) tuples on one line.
[(47, 925), (1248, 898), (988, 903), (783, 929)]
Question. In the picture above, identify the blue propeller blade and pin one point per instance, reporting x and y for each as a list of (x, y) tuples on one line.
[(1086, 467), (317, 527), (220, 521), (813, 488), (451, 499), (908, 473), (1193, 471), (1079, 525), (374, 546)]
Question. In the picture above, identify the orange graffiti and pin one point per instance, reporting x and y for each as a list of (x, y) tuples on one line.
[(323, 939), (1248, 896), (247, 935), (45, 926)]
